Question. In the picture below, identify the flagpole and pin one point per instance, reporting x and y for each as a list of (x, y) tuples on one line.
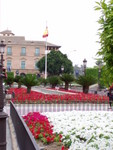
[(45, 35), (46, 60)]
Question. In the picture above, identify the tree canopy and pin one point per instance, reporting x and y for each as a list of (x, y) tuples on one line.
[(29, 80), (67, 78), (106, 33), (86, 81), (55, 60)]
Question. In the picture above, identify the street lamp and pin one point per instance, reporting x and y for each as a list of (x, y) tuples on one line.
[(84, 65), (3, 115)]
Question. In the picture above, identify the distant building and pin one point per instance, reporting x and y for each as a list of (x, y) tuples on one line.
[(78, 71), (21, 55)]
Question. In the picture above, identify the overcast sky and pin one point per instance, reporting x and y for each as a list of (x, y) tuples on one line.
[(72, 24)]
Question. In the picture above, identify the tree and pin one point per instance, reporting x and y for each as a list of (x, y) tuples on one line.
[(55, 60), (92, 71), (106, 33), (54, 81), (43, 81), (86, 81), (106, 76), (17, 79), (29, 80), (67, 78), (10, 78)]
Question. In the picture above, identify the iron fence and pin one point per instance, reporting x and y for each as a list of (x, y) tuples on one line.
[(24, 137), (23, 109)]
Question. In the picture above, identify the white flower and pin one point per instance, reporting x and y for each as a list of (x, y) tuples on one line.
[(87, 130)]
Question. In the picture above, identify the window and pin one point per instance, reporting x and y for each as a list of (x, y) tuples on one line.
[(36, 65), (22, 64), (37, 52), (9, 51), (8, 65), (23, 51)]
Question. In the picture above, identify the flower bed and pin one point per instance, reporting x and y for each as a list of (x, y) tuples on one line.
[(89, 130), (41, 129), (21, 96), (76, 130)]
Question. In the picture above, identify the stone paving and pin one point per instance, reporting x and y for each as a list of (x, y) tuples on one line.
[(8, 136), (77, 89)]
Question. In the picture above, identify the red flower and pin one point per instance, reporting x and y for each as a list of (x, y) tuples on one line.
[(64, 148), (41, 127), (21, 96)]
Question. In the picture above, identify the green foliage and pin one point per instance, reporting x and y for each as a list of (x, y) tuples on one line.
[(92, 139), (107, 137), (44, 140), (106, 33), (57, 138), (67, 78), (55, 59), (11, 74), (54, 81), (29, 80), (17, 79), (106, 77), (39, 80), (10, 78), (67, 141), (101, 135), (93, 72), (43, 81), (86, 81)]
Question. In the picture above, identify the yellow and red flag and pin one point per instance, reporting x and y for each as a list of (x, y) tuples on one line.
[(45, 33)]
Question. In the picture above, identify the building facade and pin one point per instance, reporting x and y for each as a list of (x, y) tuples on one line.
[(22, 55)]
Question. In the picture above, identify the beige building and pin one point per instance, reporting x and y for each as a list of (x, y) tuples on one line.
[(21, 55)]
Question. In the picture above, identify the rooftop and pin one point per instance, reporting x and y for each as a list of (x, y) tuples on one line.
[(10, 38)]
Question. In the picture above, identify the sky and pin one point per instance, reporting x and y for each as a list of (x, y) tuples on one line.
[(72, 24)]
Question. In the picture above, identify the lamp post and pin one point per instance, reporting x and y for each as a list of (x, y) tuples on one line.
[(3, 115), (84, 65)]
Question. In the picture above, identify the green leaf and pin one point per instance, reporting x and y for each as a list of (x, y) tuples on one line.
[(97, 8), (97, 3)]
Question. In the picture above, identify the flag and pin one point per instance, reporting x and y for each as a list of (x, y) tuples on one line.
[(45, 33)]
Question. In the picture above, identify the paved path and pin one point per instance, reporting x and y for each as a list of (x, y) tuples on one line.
[(79, 89), (49, 91), (8, 136)]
